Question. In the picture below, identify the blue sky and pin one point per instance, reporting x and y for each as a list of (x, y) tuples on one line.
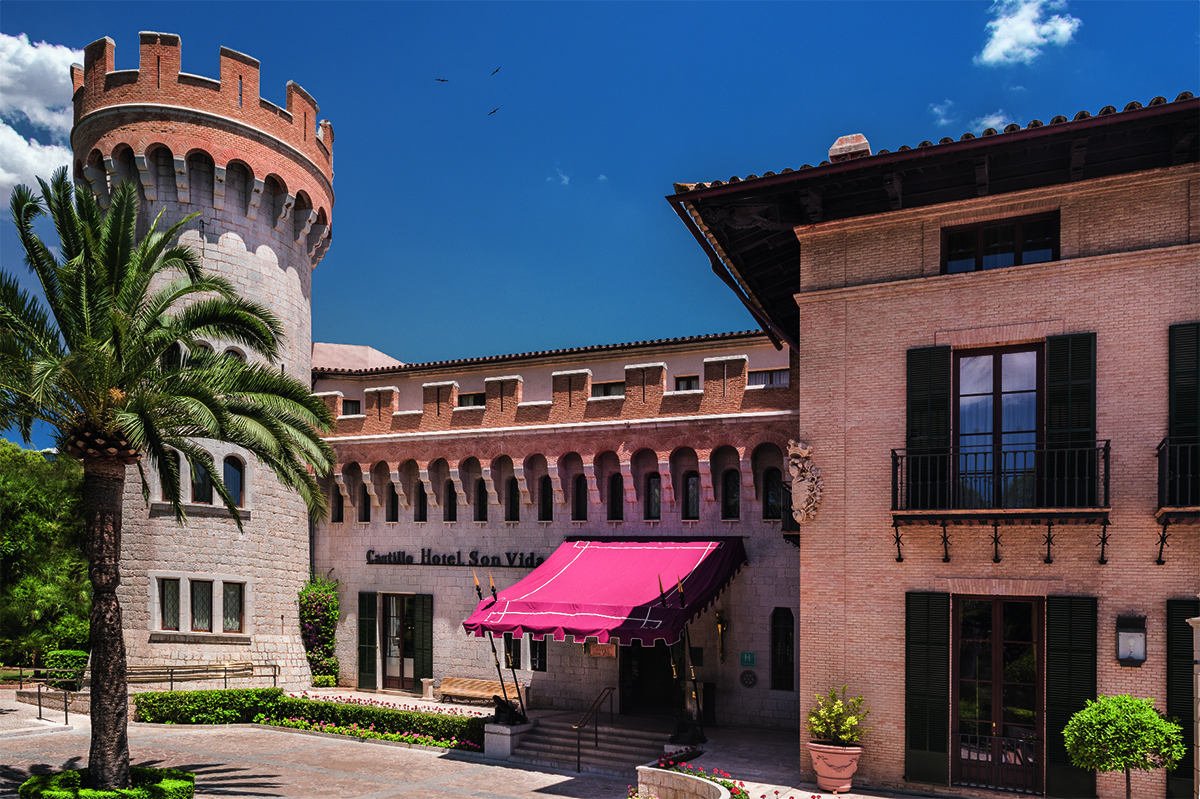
[(460, 234)]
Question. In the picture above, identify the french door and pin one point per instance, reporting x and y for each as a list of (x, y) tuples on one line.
[(398, 626), (998, 719)]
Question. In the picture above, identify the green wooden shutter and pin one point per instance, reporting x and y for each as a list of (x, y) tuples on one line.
[(367, 631), (1071, 478), (1183, 418), (1070, 682), (423, 637), (1180, 699), (927, 687), (928, 430)]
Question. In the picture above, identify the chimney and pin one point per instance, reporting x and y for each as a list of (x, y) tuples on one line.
[(849, 147)]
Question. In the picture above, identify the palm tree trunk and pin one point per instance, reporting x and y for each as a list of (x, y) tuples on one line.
[(103, 493)]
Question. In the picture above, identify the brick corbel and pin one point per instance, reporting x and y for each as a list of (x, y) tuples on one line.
[(219, 188), (666, 480), (556, 486), (748, 487), (181, 180), (589, 474), (146, 177), (430, 496), (522, 484), (627, 482), (254, 200), (285, 204), (398, 487)]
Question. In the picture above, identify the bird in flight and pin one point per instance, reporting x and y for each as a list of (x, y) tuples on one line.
[(496, 70), (494, 110), (441, 80)]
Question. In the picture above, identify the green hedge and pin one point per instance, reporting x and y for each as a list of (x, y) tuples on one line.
[(324, 681), (233, 706), (145, 783), (67, 659), (236, 706)]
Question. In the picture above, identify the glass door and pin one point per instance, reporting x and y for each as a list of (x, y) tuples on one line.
[(399, 625), (998, 721)]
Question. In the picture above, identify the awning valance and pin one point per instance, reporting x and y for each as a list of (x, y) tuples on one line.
[(609, 589)]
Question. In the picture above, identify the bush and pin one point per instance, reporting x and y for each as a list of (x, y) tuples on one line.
[(319, 614), (244, 705), (836, 719), (72, 659), (145, 783), (233, 706), (324, 681)]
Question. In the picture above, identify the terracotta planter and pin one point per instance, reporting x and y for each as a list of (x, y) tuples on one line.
[(835, 765)]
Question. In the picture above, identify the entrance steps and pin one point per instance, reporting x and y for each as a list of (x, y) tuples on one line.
[(553, 743)]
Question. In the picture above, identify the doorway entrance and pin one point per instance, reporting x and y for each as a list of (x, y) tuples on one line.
[(651, 679), (998, 721), (398, 627)]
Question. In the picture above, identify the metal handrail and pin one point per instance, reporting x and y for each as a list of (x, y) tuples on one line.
[(1179, 472), (590, 715), (170, 673)]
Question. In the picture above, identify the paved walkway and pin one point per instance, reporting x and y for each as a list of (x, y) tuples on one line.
[(252, 762)]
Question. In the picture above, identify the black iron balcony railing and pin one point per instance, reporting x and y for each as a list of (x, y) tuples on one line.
[(1000, 764), (1179, 472), (1008, 477)]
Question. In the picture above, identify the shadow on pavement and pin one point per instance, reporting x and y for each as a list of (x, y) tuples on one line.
[(222, 779), (12, 777)]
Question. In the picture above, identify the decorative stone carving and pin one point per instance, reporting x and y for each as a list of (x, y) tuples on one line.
[(806, 482)]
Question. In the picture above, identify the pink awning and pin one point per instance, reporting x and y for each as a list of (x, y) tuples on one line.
[(610, 590)]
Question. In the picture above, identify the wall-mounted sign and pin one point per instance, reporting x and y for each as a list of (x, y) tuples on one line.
[(602, 650), (516, 560), (746, 660)]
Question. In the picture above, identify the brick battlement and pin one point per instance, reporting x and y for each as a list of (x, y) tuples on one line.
[(159, 81)]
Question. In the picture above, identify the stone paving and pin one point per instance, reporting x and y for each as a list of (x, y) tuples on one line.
[(246, 761)]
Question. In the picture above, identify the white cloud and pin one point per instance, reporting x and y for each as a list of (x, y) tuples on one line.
[(566, 179), (997, 120), (1018, 32), (35, 91), (602, 178), (942, 113)]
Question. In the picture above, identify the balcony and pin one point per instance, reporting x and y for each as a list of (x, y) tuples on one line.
[(1008, 484), (1179, 480)]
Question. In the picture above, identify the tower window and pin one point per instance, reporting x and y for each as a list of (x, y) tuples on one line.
[(364, 502), (201, 484), (420, 503), (691, 496), (731, 493), (579, 500), (234, 483), (481, 500), (653, 506), (512, 504), (450, 503), (616, 497), (545, 499), (772, 506)]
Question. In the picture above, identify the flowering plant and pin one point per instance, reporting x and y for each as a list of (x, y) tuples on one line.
[(319, 614), (835, 720), (737, 790), (437, 710)]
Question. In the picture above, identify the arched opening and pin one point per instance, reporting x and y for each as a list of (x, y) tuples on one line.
[(481, 500), (767, 483), (772, 498), (234, 477), (652, 503), (162, 165), (690, 507), (200, 178), (300, 214), (731, 494), (616, 497), (545, 499), (512, 501), (420, 503), (337, 503), (202, 490), (274, 197), (579, 498), (239, 180), (449, 502)]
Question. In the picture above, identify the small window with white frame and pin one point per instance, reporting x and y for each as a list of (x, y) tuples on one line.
[(351, 407), (687, 383), (476, 399), (616, 389), (769, 378)]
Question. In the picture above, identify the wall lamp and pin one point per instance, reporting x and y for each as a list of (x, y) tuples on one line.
[(1131, 640)]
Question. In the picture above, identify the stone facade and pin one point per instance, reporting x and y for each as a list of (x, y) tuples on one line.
[(409, 438), (261, 178)]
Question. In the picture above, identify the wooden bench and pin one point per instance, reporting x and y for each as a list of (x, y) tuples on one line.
[(206, 671), (464, 688)]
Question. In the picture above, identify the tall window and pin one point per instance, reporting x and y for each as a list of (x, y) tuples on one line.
[(537, 655), (512, 501), (202, 605), (337, 505), (997, 244), (653, 506), (997, 395), (772, 504), (783, 650), (481, 500), (231, 607), (364, 501), (545, 499), (731, 494), (393, 505), (234, 482), (512, 652), (691, 496), (579, 499), (201, 484), (168, 598), (450, 503), (173, 455), (616, 497), (420, 503)]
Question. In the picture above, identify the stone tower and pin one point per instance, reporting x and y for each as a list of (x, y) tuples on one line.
[(261, 178)]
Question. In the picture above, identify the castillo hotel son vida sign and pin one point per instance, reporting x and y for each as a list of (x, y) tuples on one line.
[(516, 560)]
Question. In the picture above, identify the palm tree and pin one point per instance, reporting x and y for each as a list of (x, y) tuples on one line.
[(109, 363)]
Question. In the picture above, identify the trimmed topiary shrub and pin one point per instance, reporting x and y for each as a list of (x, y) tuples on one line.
[(1120, 733), (324, 681), (233, 706), (72, 659), (144, 783), (319, 613)]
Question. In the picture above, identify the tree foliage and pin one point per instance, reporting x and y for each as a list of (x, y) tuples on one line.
[(44, 593), (319, 614), (1120, 733)]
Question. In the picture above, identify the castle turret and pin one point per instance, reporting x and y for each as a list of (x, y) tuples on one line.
[(260, 177)]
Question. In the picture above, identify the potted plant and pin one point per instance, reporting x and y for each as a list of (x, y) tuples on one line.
[(835, 726)]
